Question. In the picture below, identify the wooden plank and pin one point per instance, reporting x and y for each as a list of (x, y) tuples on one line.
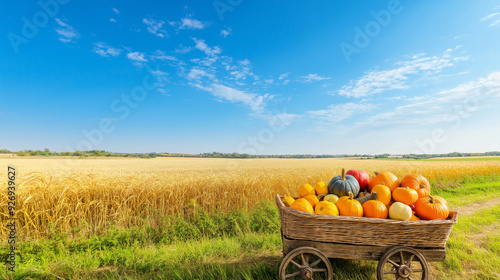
[(357, 252)]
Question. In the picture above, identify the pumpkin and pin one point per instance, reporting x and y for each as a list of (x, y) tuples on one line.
[(361, 176), (326, 208), (321, 188), (374, 208), (400, 211), (364, 198), (348, 206), (413, 217), (312, 199), (389, 179), (383, 193), (432, 207), (343, 184), (306, 189), (303, 205), (417, 182), (288, 201), (331, 198), (405, 195)]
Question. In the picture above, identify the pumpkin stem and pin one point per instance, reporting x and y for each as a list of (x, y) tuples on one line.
[(422, 185), (321, 208), (376, 173), (351, 196), (286, 203), (432, 199), (321, 196), (374, 195), (343, 174), (383, 184)]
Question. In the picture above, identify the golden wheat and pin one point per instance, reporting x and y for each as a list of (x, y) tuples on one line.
[(66, 193)]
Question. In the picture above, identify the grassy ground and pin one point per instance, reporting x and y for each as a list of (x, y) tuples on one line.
[(444, 159), (247, 245)]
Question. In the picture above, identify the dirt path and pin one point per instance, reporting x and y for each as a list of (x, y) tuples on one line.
[(477, 206)]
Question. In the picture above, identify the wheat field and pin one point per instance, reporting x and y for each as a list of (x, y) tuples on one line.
[(63, 193)]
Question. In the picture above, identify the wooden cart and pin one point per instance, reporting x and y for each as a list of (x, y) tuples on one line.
[(402, 248)]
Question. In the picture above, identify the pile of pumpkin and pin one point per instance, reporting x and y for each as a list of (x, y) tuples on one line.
[(384, 196)]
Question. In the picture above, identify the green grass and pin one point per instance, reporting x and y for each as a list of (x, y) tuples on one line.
[(244, 244), (473, 247), (444, 159)]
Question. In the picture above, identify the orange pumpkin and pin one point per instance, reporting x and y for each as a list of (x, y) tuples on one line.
[(321, 188), (326, 208), (417, 182), (306, 189), (383, 193), (374, 208), (405, 195), (312, 199), (288, 201), (432, 207), (303, 205), (389, 179), (414, 217), (349, 207)]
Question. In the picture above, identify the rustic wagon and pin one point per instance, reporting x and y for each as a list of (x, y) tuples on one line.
[(402, 248)]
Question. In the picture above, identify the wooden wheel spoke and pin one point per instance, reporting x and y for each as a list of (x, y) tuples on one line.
[(303, 259), (402, 257), (319, 270), (296, 264), (315, 263), (408, 262), (292, 274), (390, 272), (417, 270), (393, 263)]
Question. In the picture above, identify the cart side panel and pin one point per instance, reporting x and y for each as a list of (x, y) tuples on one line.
[(357, 252)]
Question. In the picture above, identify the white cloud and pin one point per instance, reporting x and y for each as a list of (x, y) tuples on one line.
[(446, 105), (112, 20), (492, 16), (105, 50), (269, 81), (154, 27), (115, 10), (312, 78), (376, 81), (197, 74), (496, 22), (190, 23), (226, 32), (284, 75), (489, 16), (256, 102), (160, 55), (202, 46), (137, 58), (338, 112), (66, 32)]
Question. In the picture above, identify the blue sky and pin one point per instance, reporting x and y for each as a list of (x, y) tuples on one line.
[(260, 77)]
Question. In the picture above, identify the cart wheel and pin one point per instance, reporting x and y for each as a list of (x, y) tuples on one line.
[(402, 262), (306, 263)]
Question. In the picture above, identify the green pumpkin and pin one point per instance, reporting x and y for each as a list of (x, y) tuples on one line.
[(343, 184)]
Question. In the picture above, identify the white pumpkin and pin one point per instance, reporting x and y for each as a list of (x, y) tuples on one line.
[(331, 198), (400, 211)]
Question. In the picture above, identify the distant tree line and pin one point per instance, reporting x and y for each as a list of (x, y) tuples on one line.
[(102, 153)]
